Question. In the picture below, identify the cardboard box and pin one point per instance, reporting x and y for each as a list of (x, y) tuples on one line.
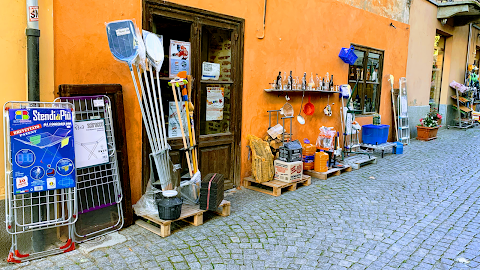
[(288, 171)]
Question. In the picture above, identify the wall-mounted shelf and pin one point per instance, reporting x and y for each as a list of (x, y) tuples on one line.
[(306, 91)]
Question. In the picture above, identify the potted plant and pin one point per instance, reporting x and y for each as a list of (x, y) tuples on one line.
[(436, 116), (428, 127)]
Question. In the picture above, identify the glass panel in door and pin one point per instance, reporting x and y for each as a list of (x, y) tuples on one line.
[(170, 29), (215, 115), (437, 68), (215, 109)]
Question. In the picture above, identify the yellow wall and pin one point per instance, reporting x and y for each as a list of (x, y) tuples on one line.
[(13, 70), (423, 16), (458, 57), (423, 27)]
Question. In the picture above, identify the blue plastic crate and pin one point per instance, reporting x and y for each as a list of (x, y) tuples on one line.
[(348, 55), (375, 134)]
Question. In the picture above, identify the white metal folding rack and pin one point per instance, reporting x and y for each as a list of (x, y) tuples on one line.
[(402, 101), (28, 212), (98, 186)]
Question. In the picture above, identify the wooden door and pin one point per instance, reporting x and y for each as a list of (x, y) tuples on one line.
[(214, 38)]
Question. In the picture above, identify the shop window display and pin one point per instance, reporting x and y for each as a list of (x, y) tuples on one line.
[(368, 71)]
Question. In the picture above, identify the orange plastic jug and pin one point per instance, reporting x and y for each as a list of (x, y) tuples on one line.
[(308, 154), (321, 160)]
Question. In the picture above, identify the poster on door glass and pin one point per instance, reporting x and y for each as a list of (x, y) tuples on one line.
[(179, 55), (42, 147), (215, 103), (173, 125), (90, 143)]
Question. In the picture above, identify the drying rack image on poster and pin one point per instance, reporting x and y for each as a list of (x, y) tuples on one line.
[(91, 147), (46, 140), (91, 143)]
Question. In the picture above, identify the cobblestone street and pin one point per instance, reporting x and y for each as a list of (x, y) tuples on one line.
[(419, 210)]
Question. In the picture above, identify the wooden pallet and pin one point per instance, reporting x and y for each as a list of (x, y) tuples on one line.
[(188, 212), (331, 172), (275, 185), (359, 161)]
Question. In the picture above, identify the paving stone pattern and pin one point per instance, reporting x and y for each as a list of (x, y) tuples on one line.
[(419, 210)]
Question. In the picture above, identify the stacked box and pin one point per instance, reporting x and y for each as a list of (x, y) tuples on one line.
[(290, 152), (213, 182), (288, 171)]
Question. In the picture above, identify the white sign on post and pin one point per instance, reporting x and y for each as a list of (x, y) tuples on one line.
[(90, 143), (33, 13)]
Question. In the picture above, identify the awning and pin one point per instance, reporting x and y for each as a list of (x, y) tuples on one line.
[(462, 12)]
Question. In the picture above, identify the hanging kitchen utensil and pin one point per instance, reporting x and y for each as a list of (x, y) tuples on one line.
[(309, 108), (287, 108), (328, 109), (300, 118)]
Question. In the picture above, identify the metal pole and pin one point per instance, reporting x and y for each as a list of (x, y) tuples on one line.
[(33, 51), (33, 69)]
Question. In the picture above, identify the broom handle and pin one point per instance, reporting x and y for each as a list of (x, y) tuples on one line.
[(181, 128), (153, 115), (141, 105), (161, 108), (189, 91), (146, 112), (190, 135), (157, 111)]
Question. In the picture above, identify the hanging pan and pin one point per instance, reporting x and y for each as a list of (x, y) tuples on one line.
[(309, 108)]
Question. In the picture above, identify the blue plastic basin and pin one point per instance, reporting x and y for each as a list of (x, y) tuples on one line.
[(375, 134)]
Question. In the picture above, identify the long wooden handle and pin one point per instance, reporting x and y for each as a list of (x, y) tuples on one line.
[(181, 128), (190, 137), (189, 88)]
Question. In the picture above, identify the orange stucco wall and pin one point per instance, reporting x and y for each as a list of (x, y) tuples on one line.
[(299, 37)]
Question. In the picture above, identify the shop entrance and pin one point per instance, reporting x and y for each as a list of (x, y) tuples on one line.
[(214, 38), (437, 70)]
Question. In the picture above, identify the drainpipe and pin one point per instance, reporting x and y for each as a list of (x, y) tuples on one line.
[(468, 51), (33, 51), (33, 70)]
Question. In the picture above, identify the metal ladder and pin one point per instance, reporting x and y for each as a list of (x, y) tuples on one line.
[(402, 101)]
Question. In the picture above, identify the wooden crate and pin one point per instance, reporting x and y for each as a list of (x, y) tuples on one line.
[(331, 172), (188, 212), (275, 187), (359, 161)]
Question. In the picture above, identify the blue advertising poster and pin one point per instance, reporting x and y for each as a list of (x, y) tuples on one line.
[(42, 149)]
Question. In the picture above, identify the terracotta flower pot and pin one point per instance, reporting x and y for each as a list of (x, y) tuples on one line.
[(426, 133)]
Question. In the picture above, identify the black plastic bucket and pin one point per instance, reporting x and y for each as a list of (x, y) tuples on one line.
[(169, 208)]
